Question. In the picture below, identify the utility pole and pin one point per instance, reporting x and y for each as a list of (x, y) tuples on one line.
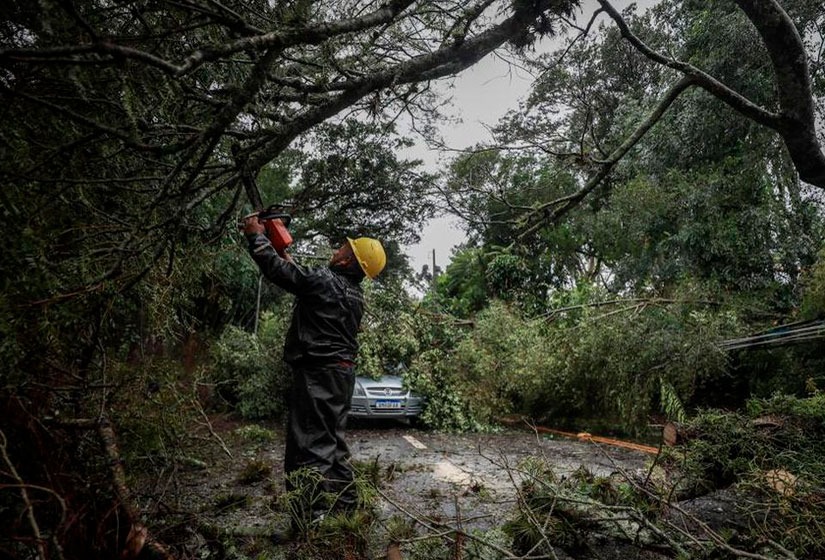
[(434, 276), (258, 303)]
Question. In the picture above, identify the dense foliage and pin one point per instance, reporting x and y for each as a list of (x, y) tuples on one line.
[(127, 302), (768, 463), (248, 370), (113, 258), (611, 367), (772, 452), (703, 233)]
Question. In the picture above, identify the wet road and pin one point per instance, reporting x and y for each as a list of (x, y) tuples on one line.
[(476, 475), (429, 475)]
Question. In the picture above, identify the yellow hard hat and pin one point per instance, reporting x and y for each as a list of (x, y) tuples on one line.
[(370, 255)]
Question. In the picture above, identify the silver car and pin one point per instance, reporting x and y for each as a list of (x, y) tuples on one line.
[(384, 398)]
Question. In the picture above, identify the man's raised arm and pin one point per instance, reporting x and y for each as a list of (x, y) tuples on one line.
[(281, 271)]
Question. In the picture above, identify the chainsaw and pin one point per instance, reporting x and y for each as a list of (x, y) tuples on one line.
[(276, 224), (275, 221)]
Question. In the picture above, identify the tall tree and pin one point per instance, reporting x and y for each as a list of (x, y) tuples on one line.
[(157, 94), (127, 130), (702, 193)]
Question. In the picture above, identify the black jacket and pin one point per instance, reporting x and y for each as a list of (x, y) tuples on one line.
[(327, 312)]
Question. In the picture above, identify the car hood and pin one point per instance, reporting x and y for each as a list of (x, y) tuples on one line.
[(393, 381)]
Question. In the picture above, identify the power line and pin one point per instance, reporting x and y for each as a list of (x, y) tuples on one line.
[(779, 336)]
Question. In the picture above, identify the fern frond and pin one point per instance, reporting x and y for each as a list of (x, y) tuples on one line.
[(671, 403)]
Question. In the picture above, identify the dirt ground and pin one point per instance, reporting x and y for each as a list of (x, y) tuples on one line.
[(472, 477)]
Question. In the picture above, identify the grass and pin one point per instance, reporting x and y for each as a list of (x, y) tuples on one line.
[(254, 433), (230, 501), (254, 471)]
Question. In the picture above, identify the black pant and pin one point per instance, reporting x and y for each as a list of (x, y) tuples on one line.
[(318, 407)]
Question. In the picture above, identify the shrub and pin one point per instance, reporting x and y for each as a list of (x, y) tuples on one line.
[(774, 454), (153, 410), (502, 363), (390, 329), (448, 407), (619, 365), (248, 369)]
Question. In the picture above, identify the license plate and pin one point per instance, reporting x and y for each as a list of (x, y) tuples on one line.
[(387, 404)]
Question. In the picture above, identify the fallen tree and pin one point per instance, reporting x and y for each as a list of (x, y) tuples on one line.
[(769, 463)]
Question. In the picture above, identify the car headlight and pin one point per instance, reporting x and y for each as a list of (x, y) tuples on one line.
[(359, 391)]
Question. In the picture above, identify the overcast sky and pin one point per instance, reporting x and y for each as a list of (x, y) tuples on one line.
[(480, 96)]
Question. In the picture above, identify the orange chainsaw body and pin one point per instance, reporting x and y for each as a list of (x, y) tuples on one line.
[(278, 235)]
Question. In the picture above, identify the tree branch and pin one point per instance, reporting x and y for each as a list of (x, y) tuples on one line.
[(793, 82), (702, 79), (443, 62), (796, 122), (566, 203), (281, 39)]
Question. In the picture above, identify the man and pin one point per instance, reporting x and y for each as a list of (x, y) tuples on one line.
[(321, 347)]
